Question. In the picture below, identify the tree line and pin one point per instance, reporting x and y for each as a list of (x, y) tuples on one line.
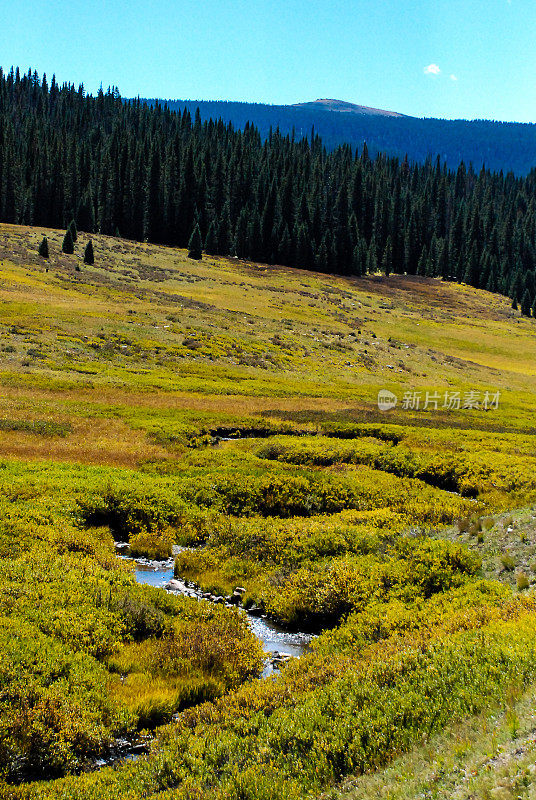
[(498, 145), (149, 173)]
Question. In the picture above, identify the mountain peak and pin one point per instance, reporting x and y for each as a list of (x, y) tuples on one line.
[(329, 104)]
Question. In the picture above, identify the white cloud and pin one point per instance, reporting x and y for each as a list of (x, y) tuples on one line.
[(432, 69), (453, 78)]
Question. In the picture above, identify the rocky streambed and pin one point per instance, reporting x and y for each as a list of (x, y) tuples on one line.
[(279, 644)]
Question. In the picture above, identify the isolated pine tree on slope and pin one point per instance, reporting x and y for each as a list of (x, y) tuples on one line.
[(43, 247), (89, 257)]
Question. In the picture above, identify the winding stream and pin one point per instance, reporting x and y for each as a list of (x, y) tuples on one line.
[(278, 644)]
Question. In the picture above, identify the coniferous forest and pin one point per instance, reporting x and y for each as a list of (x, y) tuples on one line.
[(147, 173), (265, 532), (497, 145)]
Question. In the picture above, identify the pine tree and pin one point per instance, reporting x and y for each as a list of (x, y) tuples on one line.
[(194, 244), (211, 240), (515, 291), (304, 256), (372, 264), (358, 260), (152, 216), (43, 247), (472, 271), (152, 173), (443, 265), (72, 228), (322, 257), (526, 303), (86, 213), (423, 261), (225, 240), (67, 245), (241, 235), (387, 259), (89, 257)]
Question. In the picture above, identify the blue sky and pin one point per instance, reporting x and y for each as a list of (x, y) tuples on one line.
[(444, 58)]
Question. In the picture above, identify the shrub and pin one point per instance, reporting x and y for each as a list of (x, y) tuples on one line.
[(130, 513), (156, 545), (522, 581), (508, 562)]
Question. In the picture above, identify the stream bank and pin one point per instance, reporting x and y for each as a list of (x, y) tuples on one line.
[(279, 644)]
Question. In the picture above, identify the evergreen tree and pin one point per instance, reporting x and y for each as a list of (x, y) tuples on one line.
[(89, 257), (284, 247), (86, 213), (372, 264), (322, 257), (194, 244), (516, 286), (422, 266), (152, 211), (151, 173), (67, 245), (241, 235), (254, 248), (472, 269), (526, 303), (304, 256), (224, 236), (43, 247), (211, 240), (387, 259), (72, 228), (443, 265), (359, 259)]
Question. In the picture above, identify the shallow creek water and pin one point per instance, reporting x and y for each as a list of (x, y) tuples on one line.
[(278, 644), (275, 640)]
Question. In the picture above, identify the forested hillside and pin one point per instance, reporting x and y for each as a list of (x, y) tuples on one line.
[(152, 174), (507, 146)]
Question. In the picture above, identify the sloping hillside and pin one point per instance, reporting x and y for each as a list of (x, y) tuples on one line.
[(221, 417), (147, 317)]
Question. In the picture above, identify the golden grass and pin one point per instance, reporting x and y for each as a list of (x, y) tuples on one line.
[(96, 441), (108, 342)]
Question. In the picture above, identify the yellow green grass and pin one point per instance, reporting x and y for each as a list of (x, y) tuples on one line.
[(232, 408)]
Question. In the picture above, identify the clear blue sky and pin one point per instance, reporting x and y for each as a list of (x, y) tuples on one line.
[(444, 58)]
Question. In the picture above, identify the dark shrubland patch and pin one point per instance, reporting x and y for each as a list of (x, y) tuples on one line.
[(38, 427)]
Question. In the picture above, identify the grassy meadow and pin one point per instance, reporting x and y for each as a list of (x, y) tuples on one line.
[(231, 408)]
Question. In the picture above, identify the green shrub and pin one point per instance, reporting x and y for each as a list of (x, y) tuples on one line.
[(522, 581), (508, 562), (129, 513)]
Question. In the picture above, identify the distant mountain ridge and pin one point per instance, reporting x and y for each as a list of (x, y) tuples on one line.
[(506, 146), (343, 107)]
